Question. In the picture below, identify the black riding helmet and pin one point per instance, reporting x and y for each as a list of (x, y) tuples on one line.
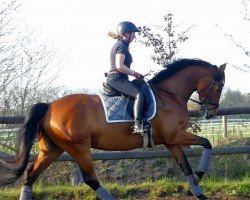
[(126, 26)]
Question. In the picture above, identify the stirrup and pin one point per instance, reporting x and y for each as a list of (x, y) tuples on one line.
[(140, 127)]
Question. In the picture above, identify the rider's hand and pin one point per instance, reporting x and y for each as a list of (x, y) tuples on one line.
[(137, 75)]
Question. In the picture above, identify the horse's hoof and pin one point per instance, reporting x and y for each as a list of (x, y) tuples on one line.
[(189, 193), (202, 197)]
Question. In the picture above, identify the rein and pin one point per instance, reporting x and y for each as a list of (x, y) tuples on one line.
[(169, 91), (202, 103)]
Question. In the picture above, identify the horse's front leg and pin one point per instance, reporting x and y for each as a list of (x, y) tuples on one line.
[(181, 159), (205, 158), (186, 138)]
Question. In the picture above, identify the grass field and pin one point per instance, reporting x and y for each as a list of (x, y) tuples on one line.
[(162, 189)]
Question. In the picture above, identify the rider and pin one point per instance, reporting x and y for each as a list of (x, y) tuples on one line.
[(121, 60)]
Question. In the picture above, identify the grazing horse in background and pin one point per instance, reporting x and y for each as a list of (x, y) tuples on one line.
[(76, 123)]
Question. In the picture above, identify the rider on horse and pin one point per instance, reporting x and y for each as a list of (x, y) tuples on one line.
[(117, 76)]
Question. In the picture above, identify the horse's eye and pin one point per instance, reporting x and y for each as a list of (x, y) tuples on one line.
[(218, 89)]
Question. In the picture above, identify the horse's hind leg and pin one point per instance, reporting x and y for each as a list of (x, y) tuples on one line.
[(181, 159), (48, 152), (100, 191), (83, 157)]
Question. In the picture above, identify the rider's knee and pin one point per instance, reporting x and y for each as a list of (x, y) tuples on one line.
[(140, 96)]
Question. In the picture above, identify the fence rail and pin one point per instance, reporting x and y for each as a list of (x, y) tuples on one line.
[(119, 155)]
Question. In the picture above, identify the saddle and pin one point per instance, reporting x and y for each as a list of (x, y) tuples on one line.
[(118, 107)]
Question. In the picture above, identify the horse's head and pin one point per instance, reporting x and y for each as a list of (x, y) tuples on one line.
[(209, 89), (193, 75)]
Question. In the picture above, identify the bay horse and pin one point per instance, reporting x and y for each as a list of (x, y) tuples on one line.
[(76, 123)]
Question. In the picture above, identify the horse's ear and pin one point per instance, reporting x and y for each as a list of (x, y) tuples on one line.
[(222, 67)]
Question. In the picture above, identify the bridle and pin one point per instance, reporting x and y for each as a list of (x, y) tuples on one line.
[(204, 101)]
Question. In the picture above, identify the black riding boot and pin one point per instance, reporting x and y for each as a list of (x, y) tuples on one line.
[(138, 109)]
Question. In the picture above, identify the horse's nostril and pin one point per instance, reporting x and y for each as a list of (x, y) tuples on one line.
[(210, 116)]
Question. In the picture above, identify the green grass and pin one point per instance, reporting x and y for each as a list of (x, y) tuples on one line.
[(149, 190)]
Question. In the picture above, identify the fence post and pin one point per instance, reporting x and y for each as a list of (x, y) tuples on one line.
[(224, 126), (76, 175)]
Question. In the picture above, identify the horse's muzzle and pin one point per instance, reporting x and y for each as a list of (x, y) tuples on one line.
[(209, 114)]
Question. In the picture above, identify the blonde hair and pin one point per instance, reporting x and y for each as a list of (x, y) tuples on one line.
[(115, 36)]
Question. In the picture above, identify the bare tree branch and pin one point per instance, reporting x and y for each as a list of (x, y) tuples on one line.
[(165, 47)]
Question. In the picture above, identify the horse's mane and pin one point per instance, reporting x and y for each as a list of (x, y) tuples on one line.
[(177, 66)]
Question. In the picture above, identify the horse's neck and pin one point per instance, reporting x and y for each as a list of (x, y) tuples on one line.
[(184, 82)]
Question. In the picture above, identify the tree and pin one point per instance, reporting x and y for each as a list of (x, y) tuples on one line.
[(165, 47), (38, 74), (28, 65), (8, 49), (232, 98), (243, 46), (247, 100)]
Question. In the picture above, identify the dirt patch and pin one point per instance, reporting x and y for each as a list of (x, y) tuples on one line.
[(213, 197), (218, 196), (145, 196)]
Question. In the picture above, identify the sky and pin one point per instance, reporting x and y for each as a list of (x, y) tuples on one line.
[(80, 29)]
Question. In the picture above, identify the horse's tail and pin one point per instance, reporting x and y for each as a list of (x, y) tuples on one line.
[(11, 171)]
